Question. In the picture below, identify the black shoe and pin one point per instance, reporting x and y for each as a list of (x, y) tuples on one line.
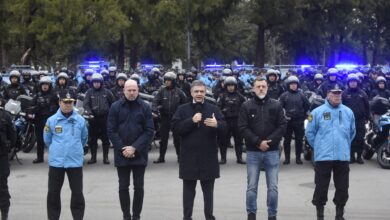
[(353, 160), (92, 161), (222, 161), (136, 218), (298, 161), (4, 214), (159, 160), (286, 161), (359, 160), (106, 161), (251, 216), (240, 161), (38, 160), (320, 212), (272, 218)]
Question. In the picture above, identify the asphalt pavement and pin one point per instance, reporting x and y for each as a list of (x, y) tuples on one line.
[(369, 191)]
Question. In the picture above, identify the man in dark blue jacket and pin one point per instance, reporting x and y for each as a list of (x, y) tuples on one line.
[(130, 129)]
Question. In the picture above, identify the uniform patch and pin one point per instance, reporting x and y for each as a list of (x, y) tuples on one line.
[(58, 129), (310, 117), (47, 128), (327, 116)]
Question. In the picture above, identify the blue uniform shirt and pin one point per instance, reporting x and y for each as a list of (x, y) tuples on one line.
[(66, 138), (330, 132)]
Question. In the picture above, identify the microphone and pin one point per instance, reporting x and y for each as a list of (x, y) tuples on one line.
[(198, 109)]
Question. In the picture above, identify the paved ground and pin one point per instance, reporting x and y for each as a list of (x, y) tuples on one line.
[(369, 194)]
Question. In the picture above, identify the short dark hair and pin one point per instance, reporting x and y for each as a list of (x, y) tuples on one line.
[(259, 79), (197, 83)]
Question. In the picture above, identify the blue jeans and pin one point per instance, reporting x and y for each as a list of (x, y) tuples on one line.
[(270, 161)]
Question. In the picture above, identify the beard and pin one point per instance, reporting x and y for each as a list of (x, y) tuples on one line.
[(261, 96)]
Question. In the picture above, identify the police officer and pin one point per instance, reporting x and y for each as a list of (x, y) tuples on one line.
[(7, 139), (357, 100), (61, 85), (230, 103), (65, 135), (166, 101), (112, 75), (274, 87), (317, 82), (86, 84), (13, 90), (97, 103), (330, 131), (296, 105), (27, 83), (380, 89), (153, 84), (107, 83), (45, 105), (183, 84), (117, 90), (329, 83)]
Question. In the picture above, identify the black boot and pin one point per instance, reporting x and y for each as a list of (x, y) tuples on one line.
[(339, 213), (359, 159), (105, 154), (159, 160), (222, 161), (320, 212), (251, 216), (239, 160), (4, 214), (286, 161), (298, 161), (352, 160), (93, 155), (272, 218), (38, 160)]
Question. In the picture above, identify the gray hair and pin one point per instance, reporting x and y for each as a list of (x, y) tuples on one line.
[(198, 83)]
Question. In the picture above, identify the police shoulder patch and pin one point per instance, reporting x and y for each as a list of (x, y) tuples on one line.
[(310, 117), (47, 128)]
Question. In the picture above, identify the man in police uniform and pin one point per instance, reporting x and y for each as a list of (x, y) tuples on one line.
[(7, 139), (330, 131), (65, 134)]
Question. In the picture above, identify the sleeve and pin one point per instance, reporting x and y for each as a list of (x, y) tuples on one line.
[(145, 138), (182, 126), (157, 101), (11, 132), (306, 103), (111, 97), (183, 97), (311, 128), (47, 133), (279, 132), (84, 133), (222, 126), (87, 102), (352, 128), (112, 127), (243, 126)]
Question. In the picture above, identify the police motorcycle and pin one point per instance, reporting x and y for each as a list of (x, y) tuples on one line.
[(315, 101), (378, 136), (25, 129)]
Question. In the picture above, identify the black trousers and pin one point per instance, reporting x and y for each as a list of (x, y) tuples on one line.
[(98, 129), (39, 126), (296, 126), (189, 191), (358, 142), (164, 133), (124, 195), (4, 173), (56, 180), (323, 171), (232, 130)]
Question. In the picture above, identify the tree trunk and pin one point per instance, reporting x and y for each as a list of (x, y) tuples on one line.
[(364, 52), (260, 47), (3, 56), (332, 51), (121, 53), (134, 55)]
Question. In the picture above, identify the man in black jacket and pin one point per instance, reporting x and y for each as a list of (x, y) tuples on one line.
[(296, 106), (44, 106), (166, 101), (97, 103), (130, 129), (262, 124), (198, 123), (7, 139), (357, 100)]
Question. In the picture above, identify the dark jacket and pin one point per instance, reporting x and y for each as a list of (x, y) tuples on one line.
[(295, 104), (117, 91), (44, 105), (275, 90), (230, 104), (167, 100), (7, 132), (199, 151), (262, 120), (12, 91), (130, 123), (98, 101), (357, 101)]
